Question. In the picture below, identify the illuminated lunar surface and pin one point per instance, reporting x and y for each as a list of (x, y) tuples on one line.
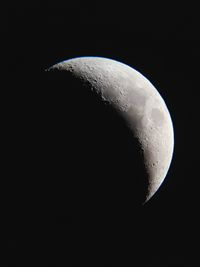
[(136, 100)]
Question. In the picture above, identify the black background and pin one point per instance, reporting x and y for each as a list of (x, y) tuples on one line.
[(162, 42)]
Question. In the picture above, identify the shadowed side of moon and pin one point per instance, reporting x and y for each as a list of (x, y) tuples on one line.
[(90, 152)]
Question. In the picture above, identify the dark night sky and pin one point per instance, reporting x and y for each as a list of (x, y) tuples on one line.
[(162, 42)]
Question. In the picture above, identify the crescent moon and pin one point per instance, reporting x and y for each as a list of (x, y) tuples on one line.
[(139, 104)]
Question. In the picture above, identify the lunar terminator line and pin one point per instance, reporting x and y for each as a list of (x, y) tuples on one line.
[(138, 102)]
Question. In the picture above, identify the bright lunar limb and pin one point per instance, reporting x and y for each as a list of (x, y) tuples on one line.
[(135, 98)]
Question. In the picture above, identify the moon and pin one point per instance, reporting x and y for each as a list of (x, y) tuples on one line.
[(134, 98)]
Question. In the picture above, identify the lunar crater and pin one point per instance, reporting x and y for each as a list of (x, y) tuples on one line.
[(157, 117)]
